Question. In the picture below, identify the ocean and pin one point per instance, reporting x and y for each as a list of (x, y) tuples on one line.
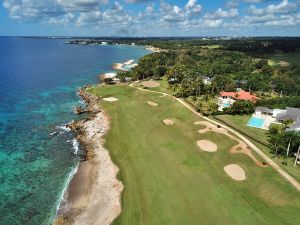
[(38, 154)]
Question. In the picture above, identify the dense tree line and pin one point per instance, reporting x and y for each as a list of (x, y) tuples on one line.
[(280, 102)]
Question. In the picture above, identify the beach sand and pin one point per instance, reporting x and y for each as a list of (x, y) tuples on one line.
[(94, 193)]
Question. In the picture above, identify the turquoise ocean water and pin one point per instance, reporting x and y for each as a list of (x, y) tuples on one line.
[(38, 83)]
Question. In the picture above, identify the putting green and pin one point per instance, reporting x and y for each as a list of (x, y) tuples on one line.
[(167, 180)]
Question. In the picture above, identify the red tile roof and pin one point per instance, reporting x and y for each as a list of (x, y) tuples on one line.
[(241, 95)]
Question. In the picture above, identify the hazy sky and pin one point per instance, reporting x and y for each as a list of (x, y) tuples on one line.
[(150, 18)]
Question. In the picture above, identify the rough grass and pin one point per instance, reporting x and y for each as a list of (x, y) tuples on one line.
[(168, 180)]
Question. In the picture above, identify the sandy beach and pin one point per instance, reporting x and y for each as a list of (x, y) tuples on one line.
[(120, 66), (94, 193), (153, 49)]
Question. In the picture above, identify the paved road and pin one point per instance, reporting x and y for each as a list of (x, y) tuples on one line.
[(266, 158)]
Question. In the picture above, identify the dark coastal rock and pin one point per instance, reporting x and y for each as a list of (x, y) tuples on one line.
[(80, 110), (78, 127)]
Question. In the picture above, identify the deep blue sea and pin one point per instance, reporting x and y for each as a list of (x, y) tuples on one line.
[(38, 83)]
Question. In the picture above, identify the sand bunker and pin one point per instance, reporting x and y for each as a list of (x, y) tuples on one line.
[(207, 146), (168, 122), (235, 172), (210, 127), (111, 99), (241, 147), (283, 63), (150, 84), (152, 103)]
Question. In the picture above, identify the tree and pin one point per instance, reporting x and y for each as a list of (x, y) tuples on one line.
[(108, 80), (123, 75), (276, 139), (241, 107)]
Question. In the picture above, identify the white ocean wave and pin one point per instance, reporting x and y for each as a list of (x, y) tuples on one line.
[(64, 128), (62, 202), (75, 146)]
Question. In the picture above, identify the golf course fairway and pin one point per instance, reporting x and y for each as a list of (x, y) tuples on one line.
[(169, 180)]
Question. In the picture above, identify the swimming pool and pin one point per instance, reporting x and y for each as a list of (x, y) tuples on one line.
[(226, 105), (256, 122)]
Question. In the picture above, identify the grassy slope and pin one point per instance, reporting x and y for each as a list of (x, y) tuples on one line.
[(240, 123), (168, 180)]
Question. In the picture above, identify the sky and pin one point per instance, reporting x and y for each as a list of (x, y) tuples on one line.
[(143, 18)]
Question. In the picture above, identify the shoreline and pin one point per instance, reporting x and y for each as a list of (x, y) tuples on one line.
[(94, 192), (120, 66)]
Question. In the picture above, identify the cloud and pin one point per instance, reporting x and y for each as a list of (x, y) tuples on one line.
[(254, 1), (44, 9), (120, 17), (192, 7), (220, 13), (213, 23), (283, 7)]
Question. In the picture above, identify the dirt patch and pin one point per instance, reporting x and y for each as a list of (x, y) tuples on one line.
[(283, 63), (207, 146), (241, 147), (110, 99), (150, 84), (168, 122), (275, 197), (152, 103), (235, 172)]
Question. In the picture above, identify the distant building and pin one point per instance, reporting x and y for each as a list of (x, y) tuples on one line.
[(207, 80)]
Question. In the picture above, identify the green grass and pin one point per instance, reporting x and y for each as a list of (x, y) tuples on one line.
[(168, 180), (292, 58), (239, 123), (163, 86)]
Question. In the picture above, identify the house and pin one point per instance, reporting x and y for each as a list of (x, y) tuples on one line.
[(279, 116), (294, 127), (207, 80), (263, 111), (289, 114), (240, 95)]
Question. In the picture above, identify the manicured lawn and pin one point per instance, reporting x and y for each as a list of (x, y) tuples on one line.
[(163, 86), (168, 180), (240, 123)]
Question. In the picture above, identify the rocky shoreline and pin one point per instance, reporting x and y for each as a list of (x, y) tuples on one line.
[(93, 195)]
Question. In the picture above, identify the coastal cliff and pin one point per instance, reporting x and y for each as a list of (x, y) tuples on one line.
[(94, 192)]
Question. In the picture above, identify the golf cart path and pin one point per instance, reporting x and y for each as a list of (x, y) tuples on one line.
[(288, 177)]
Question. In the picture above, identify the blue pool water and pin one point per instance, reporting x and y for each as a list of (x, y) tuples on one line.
[(38, 82), (226, 105), (256, 122)]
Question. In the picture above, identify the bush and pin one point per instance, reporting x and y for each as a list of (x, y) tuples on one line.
[(108, 80), (241, 107)]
